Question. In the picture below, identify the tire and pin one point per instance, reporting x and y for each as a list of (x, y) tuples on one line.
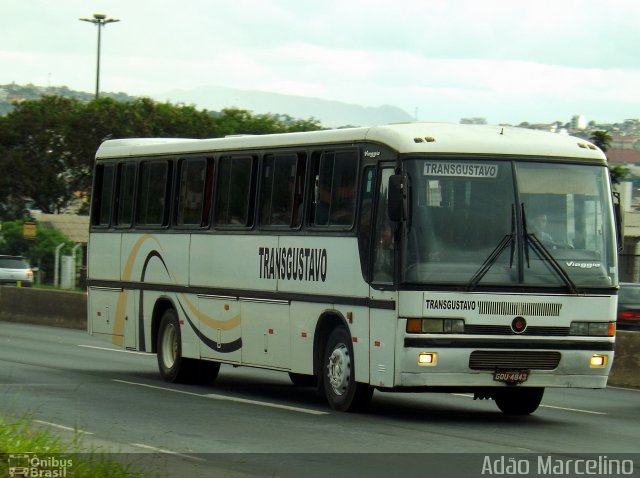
[(174, 368), (518, 401), (302, 380), (341, 390)]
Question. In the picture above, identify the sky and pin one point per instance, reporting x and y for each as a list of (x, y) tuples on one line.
[(508, 61)]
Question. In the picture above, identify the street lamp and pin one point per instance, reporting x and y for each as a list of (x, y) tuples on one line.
[(100, 20)]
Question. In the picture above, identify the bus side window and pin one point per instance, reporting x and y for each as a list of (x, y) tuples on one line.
[(335, 188), (233, 191), (278, 189), (153, 193), (125, 194), (103, 199), (193, 176)]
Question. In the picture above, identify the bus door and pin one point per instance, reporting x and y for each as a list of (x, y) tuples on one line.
[(382, 293), (376, 236)]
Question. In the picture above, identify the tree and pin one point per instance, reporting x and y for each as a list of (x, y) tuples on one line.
[(619, 174), (602, 139), (47, 146), (238, 121), (35, 160)]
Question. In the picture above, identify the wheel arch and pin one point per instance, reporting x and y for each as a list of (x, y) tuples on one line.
[(328, 321), (159, 308)]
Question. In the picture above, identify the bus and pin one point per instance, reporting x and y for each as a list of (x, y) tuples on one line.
[(406, 257)]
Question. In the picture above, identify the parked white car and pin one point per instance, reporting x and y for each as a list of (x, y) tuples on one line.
[(15, 270)]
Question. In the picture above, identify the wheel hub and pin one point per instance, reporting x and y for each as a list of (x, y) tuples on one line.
[(339, 369), (169, 346)]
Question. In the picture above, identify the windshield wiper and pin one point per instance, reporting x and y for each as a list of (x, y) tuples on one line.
[(543, 253), (507, 240)]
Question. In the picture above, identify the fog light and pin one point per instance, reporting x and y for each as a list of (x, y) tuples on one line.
[(598, 361), (427, 358)]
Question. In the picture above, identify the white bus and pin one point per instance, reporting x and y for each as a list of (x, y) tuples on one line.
[(408, 257)]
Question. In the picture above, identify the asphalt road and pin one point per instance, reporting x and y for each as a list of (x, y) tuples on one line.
[(256, 423)]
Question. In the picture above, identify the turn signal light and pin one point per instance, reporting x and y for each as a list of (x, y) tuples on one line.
[(593, 329), (435, 326)]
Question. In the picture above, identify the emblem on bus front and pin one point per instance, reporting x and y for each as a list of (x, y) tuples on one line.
[(518, 325)]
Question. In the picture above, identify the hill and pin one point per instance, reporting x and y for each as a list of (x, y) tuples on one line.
[(17, 93), (329, 113)]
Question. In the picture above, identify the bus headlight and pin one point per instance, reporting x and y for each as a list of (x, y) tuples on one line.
[(596, 329), (435, 326)]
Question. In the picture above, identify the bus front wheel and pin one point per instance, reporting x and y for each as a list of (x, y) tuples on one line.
[(340, 387), (518, 401), (173, 366)]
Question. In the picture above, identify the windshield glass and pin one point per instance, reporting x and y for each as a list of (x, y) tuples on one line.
[(467, 225)]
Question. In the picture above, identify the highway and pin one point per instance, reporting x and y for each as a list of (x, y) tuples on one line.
[(256, 423)]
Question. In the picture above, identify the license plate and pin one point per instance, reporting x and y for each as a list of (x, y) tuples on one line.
[(511, 376)]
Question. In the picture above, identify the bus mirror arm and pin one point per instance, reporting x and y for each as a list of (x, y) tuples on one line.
[(396, 198)]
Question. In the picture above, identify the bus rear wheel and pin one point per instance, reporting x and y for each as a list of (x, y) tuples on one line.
[(341, 390), (518, 401), (173, 366)]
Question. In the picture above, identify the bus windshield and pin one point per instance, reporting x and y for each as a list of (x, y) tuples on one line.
[(508, 223)]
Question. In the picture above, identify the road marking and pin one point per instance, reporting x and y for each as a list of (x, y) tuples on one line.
[(62, 427), (168, 452), (465, 395), (114, 350), (574, 410), (623, 388), (230, 399)]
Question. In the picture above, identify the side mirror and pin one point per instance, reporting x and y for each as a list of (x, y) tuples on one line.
[(619, 219), (396, 196)]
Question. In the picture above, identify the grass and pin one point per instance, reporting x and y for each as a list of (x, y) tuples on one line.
[(21, 438), (51, 287)]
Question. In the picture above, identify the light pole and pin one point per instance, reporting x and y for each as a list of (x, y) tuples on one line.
[(100, 20)]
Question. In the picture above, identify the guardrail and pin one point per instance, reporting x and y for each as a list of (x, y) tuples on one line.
[(69, 309)]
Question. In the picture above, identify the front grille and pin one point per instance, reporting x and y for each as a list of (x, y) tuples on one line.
[(544, 331), (491, 360), (538, 309)]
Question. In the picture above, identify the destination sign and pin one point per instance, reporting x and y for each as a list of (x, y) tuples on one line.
[(463, 170)]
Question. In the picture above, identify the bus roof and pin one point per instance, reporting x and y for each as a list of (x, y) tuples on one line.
[(403, 137)]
